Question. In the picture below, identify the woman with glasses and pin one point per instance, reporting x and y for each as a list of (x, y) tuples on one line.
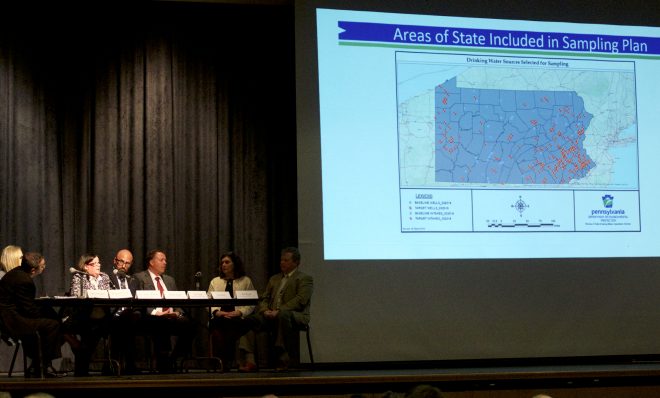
[(90, 276), (90, 322)]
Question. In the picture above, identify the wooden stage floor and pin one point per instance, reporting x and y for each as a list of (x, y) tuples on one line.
[(616, 380)]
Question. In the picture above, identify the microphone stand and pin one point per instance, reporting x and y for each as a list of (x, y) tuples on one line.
[(82, 285), (80, 282), (197, 276)]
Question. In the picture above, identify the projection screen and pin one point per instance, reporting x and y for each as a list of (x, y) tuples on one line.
[(477, 188)]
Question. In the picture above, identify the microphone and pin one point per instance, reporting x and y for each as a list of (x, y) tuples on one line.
[(119, 273), (73, 270), (113, 284), (198, 275), (121, 276)]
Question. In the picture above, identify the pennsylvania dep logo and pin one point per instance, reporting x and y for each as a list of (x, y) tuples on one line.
[(608, 201)]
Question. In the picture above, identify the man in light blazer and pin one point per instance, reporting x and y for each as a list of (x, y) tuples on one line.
[(163, 322), (284, 307)]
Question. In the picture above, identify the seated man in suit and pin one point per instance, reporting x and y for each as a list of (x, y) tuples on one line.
[(120, 276), (163, 322), (282, 308), (125, 321), (22, 315)]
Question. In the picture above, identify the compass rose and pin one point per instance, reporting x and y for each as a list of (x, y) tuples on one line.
[(520, 205)]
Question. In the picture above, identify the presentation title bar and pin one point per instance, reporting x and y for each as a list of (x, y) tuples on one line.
[(486, 38)]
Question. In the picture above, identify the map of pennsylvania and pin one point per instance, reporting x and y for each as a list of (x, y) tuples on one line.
[(487, 126), (498, 136)]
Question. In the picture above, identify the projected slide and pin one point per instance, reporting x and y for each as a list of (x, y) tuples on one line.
[(517, 139), (516, 123)]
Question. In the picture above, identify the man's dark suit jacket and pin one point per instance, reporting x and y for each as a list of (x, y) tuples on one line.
[(133, 283), (21, 315), (17, 293)]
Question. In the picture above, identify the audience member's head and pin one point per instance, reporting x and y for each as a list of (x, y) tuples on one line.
[(391, 394), (424, 391), (541, 396)]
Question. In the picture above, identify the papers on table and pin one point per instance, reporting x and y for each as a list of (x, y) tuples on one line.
[(197, 294), (220, 295), (247, 294), (168, 294)]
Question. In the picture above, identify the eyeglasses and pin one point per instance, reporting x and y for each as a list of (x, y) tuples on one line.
[(119, 262)]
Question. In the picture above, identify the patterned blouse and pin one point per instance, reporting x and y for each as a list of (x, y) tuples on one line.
[(80, 283)]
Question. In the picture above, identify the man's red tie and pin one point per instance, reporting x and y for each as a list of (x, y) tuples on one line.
[(161, 290)]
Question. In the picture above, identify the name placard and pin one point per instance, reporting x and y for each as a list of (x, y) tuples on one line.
[(220, 295), (175, 294), (120, 293), (197, 294), (147, 294), (96, 293), (247, 294)]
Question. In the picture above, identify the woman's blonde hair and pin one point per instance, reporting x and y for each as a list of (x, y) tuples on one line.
[(11, 257)]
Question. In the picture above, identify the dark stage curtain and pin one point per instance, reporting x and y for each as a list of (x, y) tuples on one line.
[(156, 125)]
